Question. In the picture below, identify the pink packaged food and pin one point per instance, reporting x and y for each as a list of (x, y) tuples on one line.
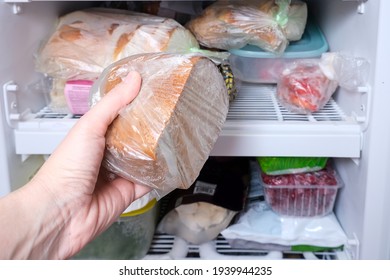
[(310, 194), (77, 95)]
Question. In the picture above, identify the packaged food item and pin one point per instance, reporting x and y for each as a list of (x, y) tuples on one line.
[(164, 136), (310, 194), (85, 42), (254, 65), (126, 239), (234, 24), (261, 228), (199, 213), (291, 165), (77, 95), (304, 88)]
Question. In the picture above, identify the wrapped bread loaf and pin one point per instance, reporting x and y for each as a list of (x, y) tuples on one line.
[(265, 24), (163, 138), (86, 41)]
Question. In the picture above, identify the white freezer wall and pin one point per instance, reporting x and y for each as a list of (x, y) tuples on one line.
[(23, 27), (357, 27), (363, 206)]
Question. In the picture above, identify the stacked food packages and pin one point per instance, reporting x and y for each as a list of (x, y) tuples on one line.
[(298, 186)]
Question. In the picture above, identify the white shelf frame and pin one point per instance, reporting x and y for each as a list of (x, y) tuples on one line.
[(257, 125)]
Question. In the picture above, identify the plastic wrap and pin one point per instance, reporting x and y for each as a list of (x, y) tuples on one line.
[(232, 25), (259, 225), (164, 137), (85, 42), (304, 88)]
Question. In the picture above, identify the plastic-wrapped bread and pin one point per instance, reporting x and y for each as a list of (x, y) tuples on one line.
[(164, 137), (267, 24), (86, 41)]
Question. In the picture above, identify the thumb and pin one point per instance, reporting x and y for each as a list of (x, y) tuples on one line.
[(107, 109)]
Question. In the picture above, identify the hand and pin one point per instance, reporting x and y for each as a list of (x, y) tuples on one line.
[(70, 197)]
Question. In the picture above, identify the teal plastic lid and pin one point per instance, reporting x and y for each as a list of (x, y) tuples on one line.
[(312, 44)]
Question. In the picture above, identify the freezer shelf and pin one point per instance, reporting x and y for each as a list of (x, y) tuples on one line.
[(257, 125), (166, 246)]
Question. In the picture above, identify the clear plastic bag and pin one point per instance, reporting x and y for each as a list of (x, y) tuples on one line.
[(85, 42), (232, 25), (164, 136), (306, 85), (304, 88)]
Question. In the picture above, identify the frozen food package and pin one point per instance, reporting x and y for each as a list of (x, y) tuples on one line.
[(164, 136), (303, 87), (309, 194), (198, 214), (85, 42), (259, 226), (291, 165), (233, 24), (306, 85)]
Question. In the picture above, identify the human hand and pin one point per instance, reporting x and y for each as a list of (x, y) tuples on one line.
[(70, 197)]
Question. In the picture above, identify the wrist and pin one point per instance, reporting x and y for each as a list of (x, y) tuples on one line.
[(34, 210)]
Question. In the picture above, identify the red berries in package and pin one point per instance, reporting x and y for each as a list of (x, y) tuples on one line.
[(308, 194)]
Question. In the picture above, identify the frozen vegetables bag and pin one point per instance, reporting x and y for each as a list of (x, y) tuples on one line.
[(165, 135), (200, 213), (85, 42), (306, 85), (234, 24)]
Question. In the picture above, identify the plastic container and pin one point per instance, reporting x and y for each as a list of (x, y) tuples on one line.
[(254, 65), (310, 194), (128, 238), (291, 165)]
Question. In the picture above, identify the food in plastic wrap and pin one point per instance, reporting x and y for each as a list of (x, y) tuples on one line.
[(164, 136), (85, 42), (291, 165), (304, 88), (232, 25), (310, 194), (260, 227), (199, 213)]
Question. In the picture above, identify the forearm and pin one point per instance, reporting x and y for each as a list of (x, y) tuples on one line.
[(29, 223)]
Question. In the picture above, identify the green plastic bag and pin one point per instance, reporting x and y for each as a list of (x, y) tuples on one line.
[(291, 165)]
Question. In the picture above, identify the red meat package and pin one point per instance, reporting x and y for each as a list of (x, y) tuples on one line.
[(304, 88)]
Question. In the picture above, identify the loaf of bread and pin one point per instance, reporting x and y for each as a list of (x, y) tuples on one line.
[(164, 137), (267, 24), (85, 42)]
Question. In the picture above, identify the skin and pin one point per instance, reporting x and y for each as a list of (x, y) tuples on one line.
[(70, 200)]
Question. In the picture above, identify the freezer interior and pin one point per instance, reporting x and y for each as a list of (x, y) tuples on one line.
[(353, 130)]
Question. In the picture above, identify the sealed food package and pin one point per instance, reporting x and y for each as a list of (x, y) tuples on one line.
[(309, 194), (304, 88), (164, 136), (306, 85), (201, 212), (265, 24), (291, 165), (260, 227), (85, 42)]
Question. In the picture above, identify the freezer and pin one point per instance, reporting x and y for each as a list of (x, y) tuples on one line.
[(352, 129)]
